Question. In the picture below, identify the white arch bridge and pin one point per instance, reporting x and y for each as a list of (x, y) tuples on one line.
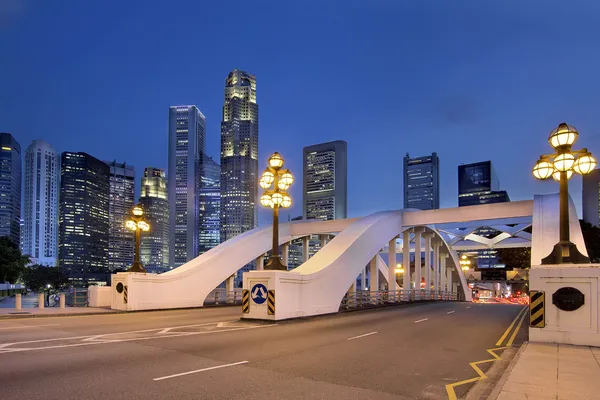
[(320, 283)]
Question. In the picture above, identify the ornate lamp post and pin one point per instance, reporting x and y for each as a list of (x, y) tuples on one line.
[(137, 224), (280, 179), (561, 166), (465, 263)]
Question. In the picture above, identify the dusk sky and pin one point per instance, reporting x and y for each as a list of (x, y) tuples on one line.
[(470, 80)]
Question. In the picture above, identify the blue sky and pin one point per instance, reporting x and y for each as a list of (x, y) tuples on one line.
[(471, 80)]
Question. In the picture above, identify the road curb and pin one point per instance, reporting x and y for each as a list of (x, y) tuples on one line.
[(29, 316), (498, 387)]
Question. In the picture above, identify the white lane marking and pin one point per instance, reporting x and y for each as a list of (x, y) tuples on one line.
[(421, 320), (469, 307), (27, 326), (90, 343), (450, 312), (170, 316), (200, 370), (360, 336)]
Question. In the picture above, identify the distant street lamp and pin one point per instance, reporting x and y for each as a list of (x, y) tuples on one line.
[(465, 263), (561, 166), (137, 224), (280, 180)]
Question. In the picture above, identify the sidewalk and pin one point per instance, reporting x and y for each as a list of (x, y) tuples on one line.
[(543, 371), (11, 313)]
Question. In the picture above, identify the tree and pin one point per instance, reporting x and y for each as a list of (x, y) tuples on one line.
[(37, 278), (516, 257), (12, 262), (591, 237)]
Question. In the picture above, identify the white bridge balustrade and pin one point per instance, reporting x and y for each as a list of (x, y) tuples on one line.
[(320, 285)]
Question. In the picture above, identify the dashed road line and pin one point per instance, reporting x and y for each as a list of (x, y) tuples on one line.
[(450, 312), (421, 320), (200, 370), (28, 326), (362, 336)]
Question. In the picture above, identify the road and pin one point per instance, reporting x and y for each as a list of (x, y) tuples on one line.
[(405, 352)]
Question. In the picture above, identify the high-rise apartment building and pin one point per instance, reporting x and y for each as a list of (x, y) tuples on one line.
[(187, 127), (10, 187), (121, 241), (422, 182), (239, 155), (209, 234), (325, 181), (154, 244), (478, 184), (83, 222), (39, 237), (591, 197)]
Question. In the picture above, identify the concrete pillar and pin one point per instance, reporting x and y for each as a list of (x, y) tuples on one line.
[(61, 300), (436, 267), (392, 269), (428, 237), (18, 301), (285, 249), (363, 279), (41, 300), (373, 279), (449, 279), (260, 263), (406, 261), (305, 242), (417, 279), (323, 240), (443, 257)]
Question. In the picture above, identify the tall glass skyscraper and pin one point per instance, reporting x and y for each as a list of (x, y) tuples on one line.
[(10, 187), (154, 244), (210, 204), (83, 222), (186, 145), (325, 181), (422, 182), (239, 155), (121, 198), (39, 237)]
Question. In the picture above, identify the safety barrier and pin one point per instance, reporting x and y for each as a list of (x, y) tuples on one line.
[(223, 297), (365, 298)]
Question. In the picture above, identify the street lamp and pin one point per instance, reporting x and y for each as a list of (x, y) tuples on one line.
[(137, 224), (560, 166), (276, 182), (465, 263)]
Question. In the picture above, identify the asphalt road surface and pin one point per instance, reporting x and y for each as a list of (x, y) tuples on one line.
[(404, 352)]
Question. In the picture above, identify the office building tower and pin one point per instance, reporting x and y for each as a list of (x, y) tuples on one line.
[(239, 155), (121, 241), (187, 127), (40, 205), (324, 181), (209, 234), (478, 184), (154, 244), (83, 222), (10, 188), (422, 182), (591, 197)]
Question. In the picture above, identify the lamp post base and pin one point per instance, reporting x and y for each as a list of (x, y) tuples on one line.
[(565, 252), (274, 263), (136, 267)]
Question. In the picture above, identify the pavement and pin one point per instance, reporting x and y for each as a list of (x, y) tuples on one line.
[(411, 351), (543, 371)]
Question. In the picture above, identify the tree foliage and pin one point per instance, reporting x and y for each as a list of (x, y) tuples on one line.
[(591, 236), (517, 257), (12, 262), (37, 278)]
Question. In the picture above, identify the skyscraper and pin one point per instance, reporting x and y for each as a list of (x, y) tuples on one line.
[(239, 155), (209, 204), (325, 181), (83, 222), (478, 184), (120, 203), (10, 187), (186, 146), (154, 244), (422, 182), (40, 211), (591, 197)]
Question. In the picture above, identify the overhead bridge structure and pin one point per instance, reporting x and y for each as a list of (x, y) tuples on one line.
[(429, 239)]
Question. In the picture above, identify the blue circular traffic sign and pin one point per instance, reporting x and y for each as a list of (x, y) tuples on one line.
[(259, 293)]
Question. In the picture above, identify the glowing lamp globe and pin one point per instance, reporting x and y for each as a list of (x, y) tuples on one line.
[(277, 198), (543, 170), (563, 135), (143, 225), (556, 175), (138, 211), (264, 184), (265, 200), (585, 164), (131, 225), (276, 161), (268, 177), (287, 178), (287, 201), (564, 162)]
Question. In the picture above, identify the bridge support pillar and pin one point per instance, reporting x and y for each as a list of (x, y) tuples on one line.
[(449, 287), (392, 270), (428, 237), (443, 257), (363, 279), (230, 288), (373, 280), (417, 279), (260, 263), (305, 242), (323, 240), (285, 248), (406, 264), (436, 268)]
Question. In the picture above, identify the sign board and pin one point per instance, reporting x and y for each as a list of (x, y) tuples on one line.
[(259, 293)]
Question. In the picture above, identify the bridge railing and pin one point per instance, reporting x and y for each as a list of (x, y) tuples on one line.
[(365, 298), (221, 296)]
